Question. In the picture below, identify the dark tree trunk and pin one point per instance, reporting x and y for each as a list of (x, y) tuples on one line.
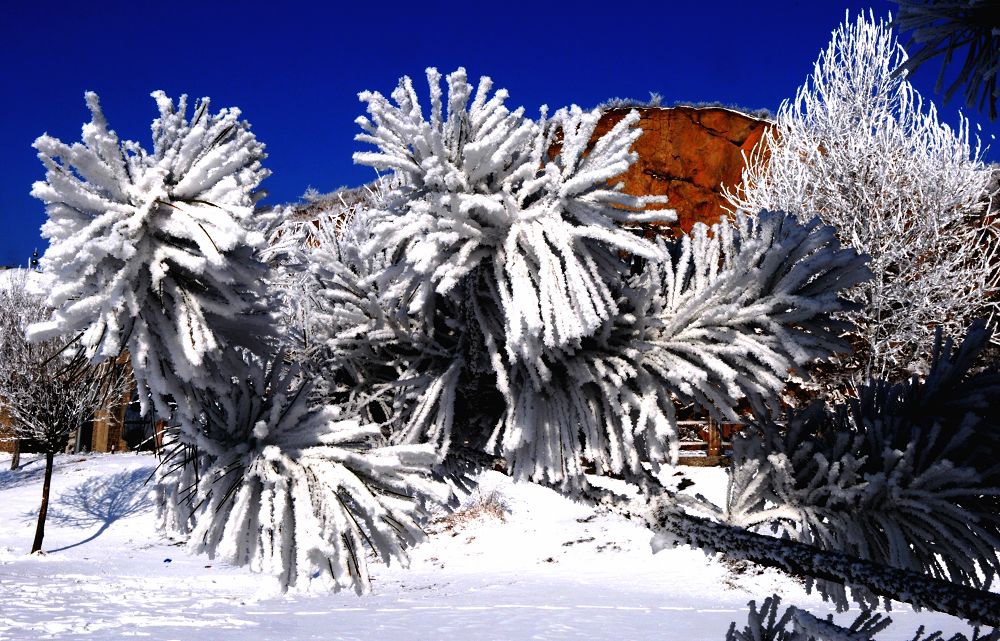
[(42, 511), (15, 459), (799, 559)]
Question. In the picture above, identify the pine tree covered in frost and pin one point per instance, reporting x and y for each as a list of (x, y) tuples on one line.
[(859, 147), (721, 320), (492, 245), (153, 252), (505, 252), (765, 625), (905, 475), (492, 298), (160, 254), (481, 196), (295, 490)]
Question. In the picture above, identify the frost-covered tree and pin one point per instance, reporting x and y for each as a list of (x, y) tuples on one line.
[(515, 302), (480, 194), (154, 252), (905, 475), (859, 147), (160, 255), (494, 298), (892, 494), (47, 391), (494, 249)]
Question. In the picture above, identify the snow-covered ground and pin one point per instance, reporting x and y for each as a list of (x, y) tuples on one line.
[(551, 569)]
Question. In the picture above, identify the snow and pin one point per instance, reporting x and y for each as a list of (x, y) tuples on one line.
[(37, 282), (551, 569)]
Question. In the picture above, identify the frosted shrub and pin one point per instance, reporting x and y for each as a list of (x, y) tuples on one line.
[(479, 506), (859, 147)]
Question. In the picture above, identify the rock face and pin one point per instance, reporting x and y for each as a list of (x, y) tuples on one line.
[(6, 433), (688, 154)]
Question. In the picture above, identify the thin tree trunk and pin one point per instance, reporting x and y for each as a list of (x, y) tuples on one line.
[(15, 458), (159, 427), (44, 509)]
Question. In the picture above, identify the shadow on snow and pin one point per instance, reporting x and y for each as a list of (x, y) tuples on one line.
[(22, 475), (101, 501)]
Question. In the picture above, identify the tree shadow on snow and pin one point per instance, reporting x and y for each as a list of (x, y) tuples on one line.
[(102, 501), (22, 475)]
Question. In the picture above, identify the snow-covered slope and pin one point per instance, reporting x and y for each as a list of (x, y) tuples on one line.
[(550, 569)]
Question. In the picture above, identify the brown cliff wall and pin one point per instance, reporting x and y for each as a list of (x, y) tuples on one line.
[(688, 154), (6, 432)]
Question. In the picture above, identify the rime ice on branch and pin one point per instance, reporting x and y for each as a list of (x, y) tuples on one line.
[(904, 476), (154, 253), (861, 149), (505, 242)]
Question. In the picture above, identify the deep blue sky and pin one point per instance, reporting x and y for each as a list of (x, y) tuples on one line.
[(295, 68)]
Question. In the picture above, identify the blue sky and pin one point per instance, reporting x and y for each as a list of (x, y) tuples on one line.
[(295, 69)]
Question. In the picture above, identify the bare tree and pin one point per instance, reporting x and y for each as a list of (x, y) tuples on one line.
[(860, 148), (10, 437), (15, 304), (47, 388)]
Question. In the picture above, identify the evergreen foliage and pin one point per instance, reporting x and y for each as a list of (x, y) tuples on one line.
[(944, 27), (765, 625), (296, 491), (719, 322), (905, 475), (154, 252)]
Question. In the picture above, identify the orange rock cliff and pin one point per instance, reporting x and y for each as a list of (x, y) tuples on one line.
[(688, 154)]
